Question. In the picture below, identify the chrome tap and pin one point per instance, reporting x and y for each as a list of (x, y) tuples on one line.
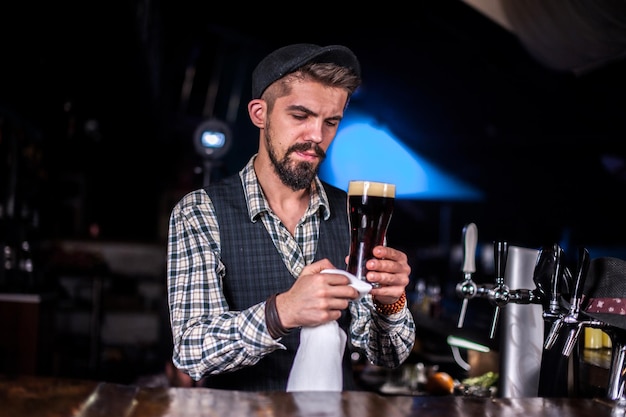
[(499, 295), (572, 336), (617, 373), (570, 319), (467, 288), (547, 278)]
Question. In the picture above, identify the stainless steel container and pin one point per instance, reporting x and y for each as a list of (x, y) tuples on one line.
[(521, 331)]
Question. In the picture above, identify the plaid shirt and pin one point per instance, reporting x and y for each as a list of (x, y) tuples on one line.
[(209, 338)]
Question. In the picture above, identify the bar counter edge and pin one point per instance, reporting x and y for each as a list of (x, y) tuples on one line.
[(25, 396)]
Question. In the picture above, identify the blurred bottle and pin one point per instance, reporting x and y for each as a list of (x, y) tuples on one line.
[(593, 338), (420, 303), (434, 295)]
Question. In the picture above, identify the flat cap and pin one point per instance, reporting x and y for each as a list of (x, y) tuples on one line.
[(289, 58)]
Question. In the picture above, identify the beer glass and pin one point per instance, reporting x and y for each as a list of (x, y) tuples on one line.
[(370, 206)]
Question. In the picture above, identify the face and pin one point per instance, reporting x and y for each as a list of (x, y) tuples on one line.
[(300, 129)]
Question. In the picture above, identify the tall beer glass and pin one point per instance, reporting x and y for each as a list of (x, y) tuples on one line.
[(370, 206)]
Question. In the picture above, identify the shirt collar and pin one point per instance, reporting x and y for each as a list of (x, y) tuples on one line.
[(257, 203)]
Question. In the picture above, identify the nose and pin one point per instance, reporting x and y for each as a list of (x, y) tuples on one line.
[(315, 132)]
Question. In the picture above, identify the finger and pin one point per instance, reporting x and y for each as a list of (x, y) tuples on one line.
[(387, 266), (335, 279), (388, 280), (385, 252), (317, 267)]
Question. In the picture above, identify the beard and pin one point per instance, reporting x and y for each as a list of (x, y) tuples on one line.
[(295, 175)]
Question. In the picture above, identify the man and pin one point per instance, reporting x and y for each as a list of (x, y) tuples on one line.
[(245, 253)]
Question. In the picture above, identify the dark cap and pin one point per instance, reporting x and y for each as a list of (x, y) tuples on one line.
[(605, 291), (289, 58)]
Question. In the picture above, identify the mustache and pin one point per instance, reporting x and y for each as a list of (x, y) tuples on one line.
[(302, 147)]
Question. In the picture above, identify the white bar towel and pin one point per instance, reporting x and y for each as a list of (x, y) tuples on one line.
[(317, 365)]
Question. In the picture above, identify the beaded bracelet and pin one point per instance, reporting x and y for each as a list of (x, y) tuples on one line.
[(388, 309), (272, 320)]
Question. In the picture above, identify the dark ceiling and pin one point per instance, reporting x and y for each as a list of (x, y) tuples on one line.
[(453, 85)]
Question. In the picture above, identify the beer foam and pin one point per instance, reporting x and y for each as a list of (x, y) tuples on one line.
[(372, 188)]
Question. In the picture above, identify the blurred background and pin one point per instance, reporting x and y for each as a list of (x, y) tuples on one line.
[(511, 116)]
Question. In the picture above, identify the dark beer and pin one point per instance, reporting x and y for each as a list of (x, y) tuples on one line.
[(370, 205)]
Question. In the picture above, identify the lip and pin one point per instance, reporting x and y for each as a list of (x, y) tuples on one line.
[(307, 155)]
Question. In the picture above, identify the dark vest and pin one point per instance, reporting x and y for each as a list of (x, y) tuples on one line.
[(255, 270)]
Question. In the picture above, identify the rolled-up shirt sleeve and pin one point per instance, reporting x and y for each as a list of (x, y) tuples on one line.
[(386, 340), (208, 338)]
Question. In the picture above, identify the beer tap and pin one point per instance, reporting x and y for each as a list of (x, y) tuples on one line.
[(467, 288), (617, 375), (547, 279), (572, 318), (542, 276), (554, 306), (499, 295), (550, 274), (547, 276), (553, 311)]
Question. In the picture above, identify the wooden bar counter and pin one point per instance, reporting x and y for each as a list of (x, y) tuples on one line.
[(49, 397)]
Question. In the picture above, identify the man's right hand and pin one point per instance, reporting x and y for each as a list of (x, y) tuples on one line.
[(315, 298)]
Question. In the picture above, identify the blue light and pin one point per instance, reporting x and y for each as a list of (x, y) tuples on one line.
[(211, 139), (365, 151)]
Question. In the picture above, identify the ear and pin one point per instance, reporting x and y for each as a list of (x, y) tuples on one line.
[(257, 110)]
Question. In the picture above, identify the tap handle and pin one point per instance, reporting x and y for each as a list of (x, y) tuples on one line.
[(470, 239), (579, 281), (542, 275), (500, 293), (572, 317), (467, 288), (555, 283), (501, 252)]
